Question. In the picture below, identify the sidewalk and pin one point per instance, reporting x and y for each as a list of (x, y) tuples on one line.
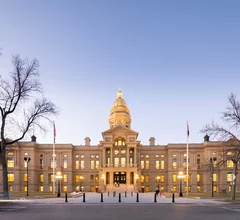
[(95, 198)]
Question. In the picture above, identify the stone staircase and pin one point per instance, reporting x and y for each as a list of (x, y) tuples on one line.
[(121, 188)]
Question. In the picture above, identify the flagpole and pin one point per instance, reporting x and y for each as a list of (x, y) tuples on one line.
[(54, 158), (187, 155)]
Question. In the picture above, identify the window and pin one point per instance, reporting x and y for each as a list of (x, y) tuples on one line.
[(185, 161), (116, 161), (174, 161), (147, 178), (123, 161), (41, 178), (97, 178), (142, 178), (174, 178), (147, 156), (147, 188), (97, 164), (162, 178), (229, 164), (10, 162), (142, 164), (77, 178), (92, 155), (10, 153), (50, 188), (77, 156), (162, 164), (157, 155), (64, 188), (65, 163), (214, 188), (82, 156), (92, 164), (25, 163), (10, 188), (147, 164), (41, 164), (116, 152), (25, 177), (53, 163), (198, 177), (25, 188), (185, 178), (123, 151), (77, 164), (214, 177), (157, 164), (41, 189), (82, 164), (198, 163), (10, 177), (92, 178), (162, 155), (65, 178), (198, 189), (51, 177), (229, 177)]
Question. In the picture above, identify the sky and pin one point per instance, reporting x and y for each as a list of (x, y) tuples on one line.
[(175, 61)]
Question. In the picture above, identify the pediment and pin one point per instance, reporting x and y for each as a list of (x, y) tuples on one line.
[(119, 131)]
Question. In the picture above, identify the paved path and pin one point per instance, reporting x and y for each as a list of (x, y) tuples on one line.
[(95, 198)]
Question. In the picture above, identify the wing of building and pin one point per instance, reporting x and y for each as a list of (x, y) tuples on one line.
[(118, 163)]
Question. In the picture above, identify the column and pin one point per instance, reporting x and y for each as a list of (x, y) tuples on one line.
[(127, 156), (135, 156), (111, 156)]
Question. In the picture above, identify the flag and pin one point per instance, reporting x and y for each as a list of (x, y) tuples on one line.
[(54, 132), (187, 129)]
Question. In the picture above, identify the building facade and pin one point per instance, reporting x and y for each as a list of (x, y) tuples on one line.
[(119, 161)]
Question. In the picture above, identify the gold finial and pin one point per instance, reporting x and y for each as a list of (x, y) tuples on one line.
[(119, 93)]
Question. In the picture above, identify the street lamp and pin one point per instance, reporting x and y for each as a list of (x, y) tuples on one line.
[(137, 177), (27, 160), (212, 160), (158, 180), (81, 180), (59, 177), (180, 176)]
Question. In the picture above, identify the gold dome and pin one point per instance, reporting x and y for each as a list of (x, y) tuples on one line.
[(120, 113)]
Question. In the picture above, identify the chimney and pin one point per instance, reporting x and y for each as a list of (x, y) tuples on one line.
[(206, 138), (87, 141), (152, 141), (33, 138)]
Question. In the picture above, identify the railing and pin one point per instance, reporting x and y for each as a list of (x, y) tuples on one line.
[(119, 166)]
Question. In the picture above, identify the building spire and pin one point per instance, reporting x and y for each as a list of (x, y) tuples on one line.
[(119, 93)]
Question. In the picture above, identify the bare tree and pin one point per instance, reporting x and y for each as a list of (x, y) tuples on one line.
[(229, 136), (22, 106)]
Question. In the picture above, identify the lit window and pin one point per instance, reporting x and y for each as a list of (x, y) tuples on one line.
[(82, 156), (147, 164), (65, 178), (41, 178), (162, 178), (53, 163), (92, 155), (92, 178), (142, 156), (10, 188), (174, 178), (229, 164), (50, 188), (65, 163), (10, 153), (82, 164), (25, 188), (162, 155), (147, 156), (198, 178), (41, 164), (147, 178), (229, 177), (123, 161), (116, 152), (92, 164), (65, 155), (10, 177), (174, 161), (97, 156), (51, 178), (41, 188), (214, 177), (10, 162), (25, 154), (142, 178), (116, 162), (198, 188), (214, 188), (198, 163), (157, 156), (77, 156), (77, 164), (25, 177), (97, 164), (123, 151), (157, 164), (142, 164), (97, 178), (64, 188), (162, 164), (77, 178)]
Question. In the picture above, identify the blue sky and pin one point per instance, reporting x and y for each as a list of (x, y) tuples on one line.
[(174, 61)]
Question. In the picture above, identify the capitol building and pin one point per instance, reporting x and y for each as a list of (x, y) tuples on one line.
[(119, 161)]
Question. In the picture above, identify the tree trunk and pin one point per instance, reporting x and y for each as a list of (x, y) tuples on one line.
[(234, 182), (4, 170)]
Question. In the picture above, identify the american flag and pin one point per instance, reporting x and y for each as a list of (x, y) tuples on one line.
[(54, 132), (187, 129)]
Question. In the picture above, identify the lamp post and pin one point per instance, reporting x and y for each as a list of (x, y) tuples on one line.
[(59, 177), (180, 176), (212, 160), (27, 160), (158, 180), (137, 177), (81, 180)]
